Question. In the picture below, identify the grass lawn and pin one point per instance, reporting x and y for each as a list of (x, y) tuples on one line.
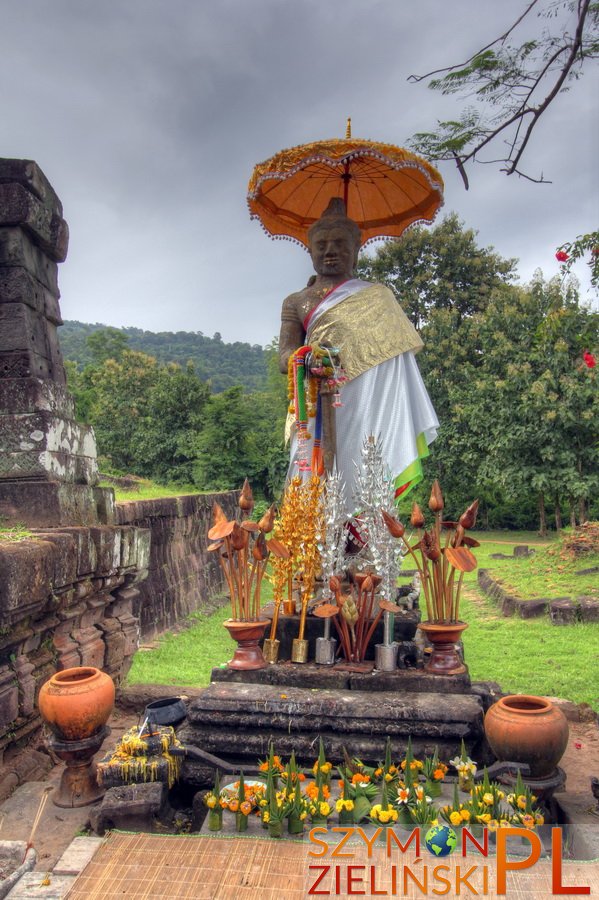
[(148, 490), (524, 656)]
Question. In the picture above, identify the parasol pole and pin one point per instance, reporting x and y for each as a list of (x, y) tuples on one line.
[(346, 173)]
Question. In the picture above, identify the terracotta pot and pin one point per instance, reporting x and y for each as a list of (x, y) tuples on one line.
[(526, 729), (248, 635), (444, 659), (76, 703)]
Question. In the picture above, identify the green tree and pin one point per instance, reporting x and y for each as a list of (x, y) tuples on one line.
[(532, 404), (438, 268), (224, 448), (146, 416), (107, 343)]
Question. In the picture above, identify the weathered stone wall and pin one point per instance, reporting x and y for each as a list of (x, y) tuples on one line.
[(67, 598), (182, 575), (81, 595)]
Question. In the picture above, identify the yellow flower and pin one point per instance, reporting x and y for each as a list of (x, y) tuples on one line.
[(484, 817), (528, 821), (539, 819), (521, 801), (493, 825), (487, 799), (324, 809), (378, 772), (265, 816), (211, 801), (455, 818), (465, 814), (385, 816), (388, 777)]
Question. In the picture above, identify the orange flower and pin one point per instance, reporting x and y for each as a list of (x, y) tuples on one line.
[(358, 778)]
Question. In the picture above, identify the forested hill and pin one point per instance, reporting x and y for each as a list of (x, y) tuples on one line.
[(225, 365)]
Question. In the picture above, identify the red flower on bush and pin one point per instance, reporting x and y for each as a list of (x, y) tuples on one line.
[(562, 256), (589, 359)]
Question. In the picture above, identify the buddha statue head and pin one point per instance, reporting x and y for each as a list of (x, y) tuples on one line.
[(334, 242)]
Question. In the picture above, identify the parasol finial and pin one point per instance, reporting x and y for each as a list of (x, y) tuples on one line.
[(348, 129)]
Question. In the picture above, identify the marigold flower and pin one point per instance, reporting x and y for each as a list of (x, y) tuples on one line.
[(211, 801), (358, 778), (487, 799), (484, 817), (493, 825), (455, 818), (324, 809), (528, 821), (387, 815), (234, 804), (521, 802), (465, 814), (245, 807), (539, 819), (439, 774)]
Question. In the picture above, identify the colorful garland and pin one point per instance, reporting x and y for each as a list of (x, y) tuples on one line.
[(305, 369)]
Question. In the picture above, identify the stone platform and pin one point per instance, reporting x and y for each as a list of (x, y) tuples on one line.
[(236, 720)]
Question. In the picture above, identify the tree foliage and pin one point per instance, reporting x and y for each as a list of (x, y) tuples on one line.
[(438, 268), (509, 86), (223, 365), (161, 421), (505, 371)]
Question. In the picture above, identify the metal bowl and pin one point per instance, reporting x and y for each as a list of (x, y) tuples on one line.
[(168, 711)]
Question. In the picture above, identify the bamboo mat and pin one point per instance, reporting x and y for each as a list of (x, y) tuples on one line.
[(200, 868), (218, 867)]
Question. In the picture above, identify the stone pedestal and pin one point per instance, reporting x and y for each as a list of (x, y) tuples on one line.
[(236, 721), (48, 467)]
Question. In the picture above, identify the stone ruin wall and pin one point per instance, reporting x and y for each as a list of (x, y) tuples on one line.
[(182, 576), (85, 595), (93, 576)]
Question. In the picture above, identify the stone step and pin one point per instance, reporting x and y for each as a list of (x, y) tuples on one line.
[(237, 721)]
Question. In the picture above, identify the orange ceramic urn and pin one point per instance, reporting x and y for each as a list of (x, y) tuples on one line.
[(76, 703), (526, 729)]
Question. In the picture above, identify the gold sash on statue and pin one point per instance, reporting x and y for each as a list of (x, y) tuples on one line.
[(368, 327)]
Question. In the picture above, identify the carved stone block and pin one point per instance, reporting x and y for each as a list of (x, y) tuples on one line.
[(9, 696)]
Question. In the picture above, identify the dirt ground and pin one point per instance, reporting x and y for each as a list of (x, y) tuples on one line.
[(58, 827)]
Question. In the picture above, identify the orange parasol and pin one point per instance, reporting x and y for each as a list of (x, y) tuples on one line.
[(386, 188)]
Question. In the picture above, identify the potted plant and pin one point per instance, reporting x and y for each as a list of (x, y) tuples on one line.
[(243, 550), (441, 551)]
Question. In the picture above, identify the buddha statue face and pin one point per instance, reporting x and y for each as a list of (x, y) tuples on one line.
[(333, 250)]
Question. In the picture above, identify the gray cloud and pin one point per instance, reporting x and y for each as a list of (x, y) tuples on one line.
[(148, 116)]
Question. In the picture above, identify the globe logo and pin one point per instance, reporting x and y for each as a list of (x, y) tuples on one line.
[(441, 840)]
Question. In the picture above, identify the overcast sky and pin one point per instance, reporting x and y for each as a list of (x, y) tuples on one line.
[(148, 116)]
